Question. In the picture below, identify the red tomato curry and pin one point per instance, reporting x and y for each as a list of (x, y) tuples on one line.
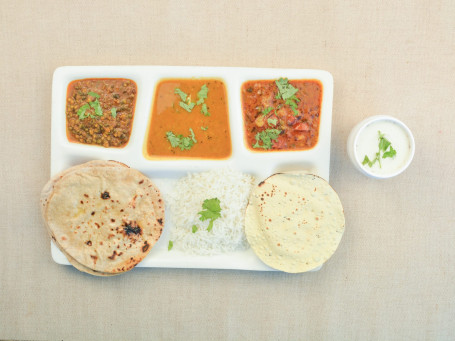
[(281, 114)]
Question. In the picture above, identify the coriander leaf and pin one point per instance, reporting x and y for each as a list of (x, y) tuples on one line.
[(267, 110), (292, 103), (383, 144), (266, 137), (202, 94), (391, 153), (114, 112), (204, 110), (171, 244), (93, 94), (96, 105), (174, 140), (82, 110), (187, 107), (182, 95), (211, 210), (272, 122), (184, 143), (192, 136), (204, 128), (294, 110), (194, 228), (286, 90)]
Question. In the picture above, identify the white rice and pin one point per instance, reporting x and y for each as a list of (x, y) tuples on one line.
[(233, 189)]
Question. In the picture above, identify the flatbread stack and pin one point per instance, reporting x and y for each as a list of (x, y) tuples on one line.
[(294, 221), (104, 216)]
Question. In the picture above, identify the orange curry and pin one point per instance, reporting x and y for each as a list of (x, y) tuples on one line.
[(189, 120)]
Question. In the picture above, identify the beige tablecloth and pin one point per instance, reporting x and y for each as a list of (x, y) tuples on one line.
[(393, 275)]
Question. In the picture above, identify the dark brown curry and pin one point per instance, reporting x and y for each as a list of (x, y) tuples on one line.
[(100, 111)]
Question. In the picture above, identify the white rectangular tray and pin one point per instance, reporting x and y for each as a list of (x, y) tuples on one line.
[(165, 172)]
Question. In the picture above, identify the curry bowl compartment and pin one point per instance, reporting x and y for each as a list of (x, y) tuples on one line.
[(188, 121), (100, 111)]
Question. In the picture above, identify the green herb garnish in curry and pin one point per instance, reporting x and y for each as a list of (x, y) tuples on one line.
[(264, 138), (184, 143), (186, 103), (385, 148)]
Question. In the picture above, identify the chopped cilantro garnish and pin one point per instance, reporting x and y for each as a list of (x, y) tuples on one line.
[(183, 96), (266, 137), (93, 94), (391, 153), (187, 107), (192, 136), (82, 110), (202, 94), (383, 145), (286, 90), (194, 229), (96, 105), (211, 210), (272, 122), (267, 110), (170, 245), (185, 102), (114, 112), (204, 128), (204, 110), (184, 143)]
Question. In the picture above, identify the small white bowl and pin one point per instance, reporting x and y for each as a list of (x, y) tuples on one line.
[(366, 131)]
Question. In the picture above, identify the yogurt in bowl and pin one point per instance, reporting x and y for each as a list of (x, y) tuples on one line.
[(381, 146)]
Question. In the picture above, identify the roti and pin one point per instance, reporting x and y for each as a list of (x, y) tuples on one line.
[(47, 191), (104, 216), (294, 221)]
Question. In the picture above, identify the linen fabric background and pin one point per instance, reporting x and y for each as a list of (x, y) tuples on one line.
[(393, 275)]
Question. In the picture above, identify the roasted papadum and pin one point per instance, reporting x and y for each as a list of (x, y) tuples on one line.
[(294, 221)]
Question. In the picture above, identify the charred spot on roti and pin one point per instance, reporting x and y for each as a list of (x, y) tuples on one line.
[(105, 195), (114, 254), (160, 221), (131, 227), (145, 247), (89, 243)]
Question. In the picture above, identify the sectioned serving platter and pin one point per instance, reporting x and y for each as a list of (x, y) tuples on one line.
[(164, 173)]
